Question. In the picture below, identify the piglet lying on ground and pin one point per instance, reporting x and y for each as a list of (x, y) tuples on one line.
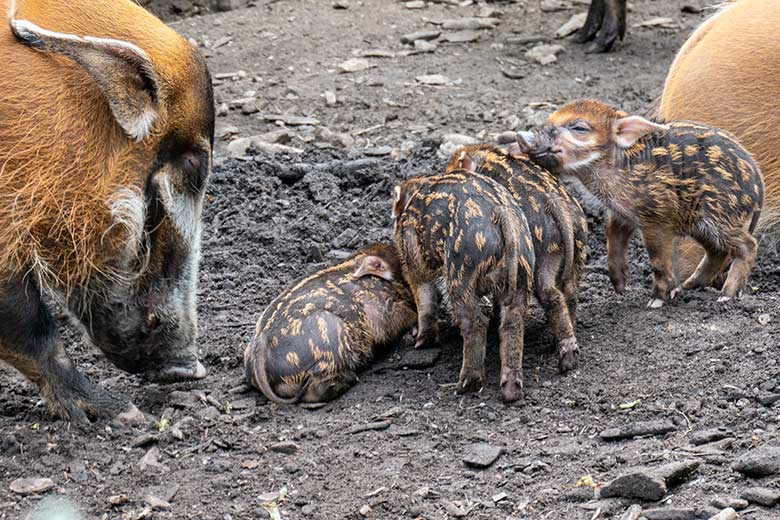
[(312, 338)]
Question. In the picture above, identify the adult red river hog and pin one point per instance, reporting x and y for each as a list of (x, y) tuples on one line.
[(106, 134), (726, 75)]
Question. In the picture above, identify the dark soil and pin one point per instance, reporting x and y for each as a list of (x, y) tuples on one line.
[(694, 362)]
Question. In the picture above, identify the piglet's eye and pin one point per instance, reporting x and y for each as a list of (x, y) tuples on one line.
[(579, 128)]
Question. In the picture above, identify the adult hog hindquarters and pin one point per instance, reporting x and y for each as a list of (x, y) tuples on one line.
[(558, 229), (680, 179), (725, 75), (105, 148), (466, 229), (313, 337)]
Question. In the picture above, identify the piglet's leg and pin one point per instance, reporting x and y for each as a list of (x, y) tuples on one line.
[(744, 253), (29, 342), (606, 22), (511, 334), (709, 268), (618, 235), (558, 319), (473, 325), (426, 299), (660, 247)]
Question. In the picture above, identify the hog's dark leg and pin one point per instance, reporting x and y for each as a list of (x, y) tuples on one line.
[(660, 248), (29, 342), (426, 299), (473, 324), (606, 22), (708, 269), (744, 249), (618, 236), (558, 319), (511, 333)]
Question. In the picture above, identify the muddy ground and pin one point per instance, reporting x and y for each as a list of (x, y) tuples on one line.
[(695, 363)]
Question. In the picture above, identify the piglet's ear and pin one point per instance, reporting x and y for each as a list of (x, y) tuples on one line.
[(122, 70), (467, 163), (628, 130), (400, 201)]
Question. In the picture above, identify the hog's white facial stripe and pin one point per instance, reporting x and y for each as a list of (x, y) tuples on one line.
[(128, 209), (184, 210)]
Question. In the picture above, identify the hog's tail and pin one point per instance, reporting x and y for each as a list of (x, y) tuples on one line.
[(566, 229), (255, 360), (511, 236)]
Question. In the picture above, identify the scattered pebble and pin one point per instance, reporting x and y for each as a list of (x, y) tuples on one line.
[(726, 514), (468, 36), (709, 435), (419, 358), (481, 455), (544, 54), (759, 462), (649, 483), (663, 513), (355, 65), (420, 35), (287, 447), (470, 24), (433, 79), (573, 25), (632, 513), (31, 486), (761, 496), (157, 504), (733, 503), (637, 429)]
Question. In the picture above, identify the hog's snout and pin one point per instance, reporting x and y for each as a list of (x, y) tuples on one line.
[(177, 372)]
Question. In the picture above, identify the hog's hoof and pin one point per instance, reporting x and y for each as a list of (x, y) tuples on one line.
[(677, 290), (512, 386), (655, 303), (470, 381), (568, 355), (423, 342)]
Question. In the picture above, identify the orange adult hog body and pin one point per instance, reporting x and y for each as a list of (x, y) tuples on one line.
[(725, 75), (105, 148)]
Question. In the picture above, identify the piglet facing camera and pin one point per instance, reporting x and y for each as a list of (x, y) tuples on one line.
[(312, 339), (679, 179)]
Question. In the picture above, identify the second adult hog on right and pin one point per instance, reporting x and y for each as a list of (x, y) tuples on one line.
[(679, 179)]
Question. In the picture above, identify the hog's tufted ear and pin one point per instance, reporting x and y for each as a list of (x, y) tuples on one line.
[(123, 72), (628, 130)]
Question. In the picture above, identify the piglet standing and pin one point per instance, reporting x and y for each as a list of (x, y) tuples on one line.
[(558, 228), (313, 337), (680, 179), (466, 229)]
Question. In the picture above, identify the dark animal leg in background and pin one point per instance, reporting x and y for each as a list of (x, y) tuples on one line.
[(606, 23), (29, 342)]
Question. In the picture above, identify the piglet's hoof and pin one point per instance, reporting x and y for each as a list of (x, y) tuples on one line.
[(677, 290), (470, 381), (568, 354), (655, 303), (512, 386)]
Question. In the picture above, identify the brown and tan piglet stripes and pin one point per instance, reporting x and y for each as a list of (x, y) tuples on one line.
[(312, 338)]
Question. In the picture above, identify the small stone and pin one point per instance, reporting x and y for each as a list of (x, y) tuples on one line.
[(549, 6), (632, 513), (709, 435), (764, 319), (769, 400), (287, 447), (658, 21), (462, 37), (355, 65), (377, 53), (649, 483), (470, 24), (637, 429), (144, 439), (364, 510), (31, 486), (157, 504), (453, 509), (222, 110), (452, 142), (759, 462), (308, 509), (420, 35), (236, 148), (419, 358), (341, 4), (118, 500), (433, 79), (761, 496), (424, 46), (726, 514), (330, 98), (415, 4), (246, 403), (544, 54), (209, 413), (663, 513), (152, 460), (573, 25), (179, 399), (507, 137), (481, 455), (733, 503)]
